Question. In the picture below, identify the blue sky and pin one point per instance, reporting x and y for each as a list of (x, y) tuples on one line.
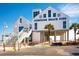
[(9, 12)]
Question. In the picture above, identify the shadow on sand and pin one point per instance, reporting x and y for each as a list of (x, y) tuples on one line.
[(77, 47), (75, 54)]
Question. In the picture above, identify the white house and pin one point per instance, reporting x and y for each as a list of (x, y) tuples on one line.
[(36, 31), (22, 32), (22, 29), (59, 20), (22, 23)]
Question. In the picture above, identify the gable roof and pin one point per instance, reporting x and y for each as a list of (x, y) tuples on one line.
[(48, 9), (25, 22)]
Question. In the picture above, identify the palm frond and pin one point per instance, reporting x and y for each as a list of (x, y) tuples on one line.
[(49, 27)]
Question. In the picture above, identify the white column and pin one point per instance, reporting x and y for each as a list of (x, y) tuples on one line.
[(67, 35), (54, 36), (44, 37), (28, 41)]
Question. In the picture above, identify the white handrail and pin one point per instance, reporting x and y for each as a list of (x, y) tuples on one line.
[(21, 32), (24, 35)]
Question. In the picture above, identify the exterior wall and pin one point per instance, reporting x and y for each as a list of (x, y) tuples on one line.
[(71, 35), (25, 24), (41, 22), (42, 37), (36, 37), (58, 24)]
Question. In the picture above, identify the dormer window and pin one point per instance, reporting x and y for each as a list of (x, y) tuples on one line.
[(44, 15), (54, 14)]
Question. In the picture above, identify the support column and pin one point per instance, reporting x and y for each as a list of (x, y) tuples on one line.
[(55, 36), (44, 36), (61, 38), (67, 35), (28, 41)]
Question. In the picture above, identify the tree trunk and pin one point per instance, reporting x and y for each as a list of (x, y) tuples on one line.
[(49, 36), (4, 46)]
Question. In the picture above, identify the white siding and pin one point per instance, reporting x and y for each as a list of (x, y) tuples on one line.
[(71, 35), (58, 24), (36, 37)]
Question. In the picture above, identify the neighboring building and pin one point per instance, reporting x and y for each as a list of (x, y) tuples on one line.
[(22, 32), (71, 34), (22, 29), (59, 20), (22, 23)]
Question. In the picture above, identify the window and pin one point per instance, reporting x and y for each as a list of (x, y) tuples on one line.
[(35, 13), (54, 14), (20, 20), (35, 26), (59, 15), (44, 15), (20, 28), (49, 13), (64, 24)]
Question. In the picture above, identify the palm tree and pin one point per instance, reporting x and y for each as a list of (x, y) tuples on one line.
[(74, 26), (49, 27), (3, 43)]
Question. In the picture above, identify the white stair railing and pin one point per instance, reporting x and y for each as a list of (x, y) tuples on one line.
[(20, 32), (24, 35)]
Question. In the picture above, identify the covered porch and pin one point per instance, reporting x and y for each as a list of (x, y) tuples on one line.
[(63, 36)]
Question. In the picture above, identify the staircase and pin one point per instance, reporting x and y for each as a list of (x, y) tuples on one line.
[(24, 35)]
